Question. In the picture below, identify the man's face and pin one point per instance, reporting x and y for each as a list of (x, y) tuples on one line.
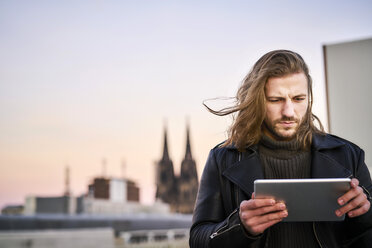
[(286, 105)]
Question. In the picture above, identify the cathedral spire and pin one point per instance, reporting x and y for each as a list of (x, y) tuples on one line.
[(165, 149), (166, 187), (188, 154), (188, 180)]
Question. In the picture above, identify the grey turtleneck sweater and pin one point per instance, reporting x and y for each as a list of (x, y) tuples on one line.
[(285, 160)]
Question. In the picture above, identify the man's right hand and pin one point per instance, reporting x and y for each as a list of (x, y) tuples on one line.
[(259, 214)]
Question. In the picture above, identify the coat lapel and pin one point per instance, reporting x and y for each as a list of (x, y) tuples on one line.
[(322, 164), (244, 172)]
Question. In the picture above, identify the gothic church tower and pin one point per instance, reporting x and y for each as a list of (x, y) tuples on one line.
[(188, 181), (166, 189), (178, 191)]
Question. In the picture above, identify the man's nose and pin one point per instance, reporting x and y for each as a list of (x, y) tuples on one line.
[(288, 109)]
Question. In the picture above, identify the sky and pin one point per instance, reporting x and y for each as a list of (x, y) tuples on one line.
[(82, 82)]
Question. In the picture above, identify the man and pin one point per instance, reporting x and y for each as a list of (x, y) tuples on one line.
[(274, 136)]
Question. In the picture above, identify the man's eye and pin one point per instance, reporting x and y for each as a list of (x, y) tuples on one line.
[(299, 99), (274, 100)]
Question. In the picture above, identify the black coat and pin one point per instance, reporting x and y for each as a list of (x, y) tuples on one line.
[(228, 179)]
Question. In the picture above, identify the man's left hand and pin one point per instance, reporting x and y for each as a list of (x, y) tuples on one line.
[(354, 202)]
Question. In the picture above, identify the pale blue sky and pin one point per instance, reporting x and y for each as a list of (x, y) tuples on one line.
[(83, 80)]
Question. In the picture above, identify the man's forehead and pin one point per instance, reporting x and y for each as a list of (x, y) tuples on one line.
[(292, 83)]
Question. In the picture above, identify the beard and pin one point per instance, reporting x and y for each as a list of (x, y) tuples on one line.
[(281, 133)]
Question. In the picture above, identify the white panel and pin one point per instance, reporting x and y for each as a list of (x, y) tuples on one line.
[(349, 81), (118, 190)]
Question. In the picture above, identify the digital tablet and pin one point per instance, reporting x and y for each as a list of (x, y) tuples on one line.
[(306, 199)]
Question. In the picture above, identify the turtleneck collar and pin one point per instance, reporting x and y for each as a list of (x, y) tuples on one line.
[(292, 145)]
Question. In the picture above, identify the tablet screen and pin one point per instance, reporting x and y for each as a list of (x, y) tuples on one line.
[(306, 199)]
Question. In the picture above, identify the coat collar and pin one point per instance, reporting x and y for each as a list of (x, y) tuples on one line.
[(323, 164), (326, 141), (248, 168)]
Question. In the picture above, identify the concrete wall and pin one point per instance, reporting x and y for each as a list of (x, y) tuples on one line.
[(348, 71)]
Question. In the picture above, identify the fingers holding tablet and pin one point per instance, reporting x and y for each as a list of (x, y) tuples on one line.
[(354, 202), (259, 214)]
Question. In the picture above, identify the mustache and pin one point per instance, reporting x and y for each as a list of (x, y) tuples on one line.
[(285, 118)]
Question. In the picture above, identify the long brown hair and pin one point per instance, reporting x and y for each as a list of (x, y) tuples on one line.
[(250, 100)]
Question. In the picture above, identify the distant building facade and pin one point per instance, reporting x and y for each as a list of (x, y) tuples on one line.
[(50, 205), (106, 196), (114, 189), (111, 196), (13, 210), (178, 191)]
